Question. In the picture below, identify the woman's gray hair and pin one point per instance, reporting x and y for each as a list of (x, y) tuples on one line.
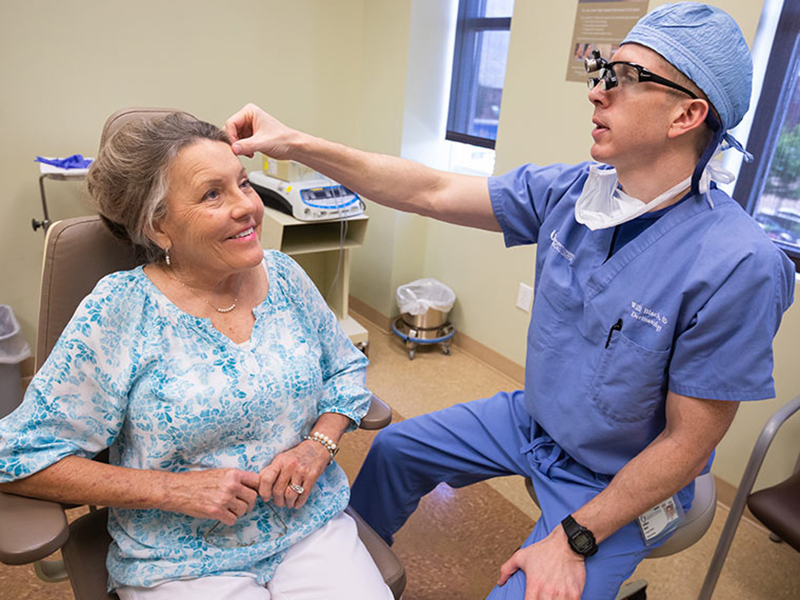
[(128, 180)]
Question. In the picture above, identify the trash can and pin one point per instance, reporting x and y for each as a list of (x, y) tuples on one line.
[(425, 303), (13, 350)]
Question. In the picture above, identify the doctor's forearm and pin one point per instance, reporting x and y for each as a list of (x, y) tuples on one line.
[(657, 473), (694, 428), (398, 183)]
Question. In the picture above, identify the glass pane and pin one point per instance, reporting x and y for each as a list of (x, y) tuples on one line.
[(778, 208), (491, 74), (499, 8)]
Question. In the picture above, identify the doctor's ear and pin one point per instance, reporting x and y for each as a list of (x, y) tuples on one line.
[(690, 114)]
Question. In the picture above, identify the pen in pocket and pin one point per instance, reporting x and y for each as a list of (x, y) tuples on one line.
[(615, 327)]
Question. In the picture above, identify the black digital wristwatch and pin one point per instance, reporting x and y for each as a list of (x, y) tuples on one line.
[(581, 540)]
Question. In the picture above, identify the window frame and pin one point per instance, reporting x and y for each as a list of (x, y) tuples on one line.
[(467, 53), (770, 114)]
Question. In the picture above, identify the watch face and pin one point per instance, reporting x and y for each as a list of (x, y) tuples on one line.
[(582, 541)]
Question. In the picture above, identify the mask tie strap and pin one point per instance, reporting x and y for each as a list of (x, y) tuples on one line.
[(707, 155), (728, 142)]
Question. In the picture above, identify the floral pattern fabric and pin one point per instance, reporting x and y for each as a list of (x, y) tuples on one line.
[(166, 391)]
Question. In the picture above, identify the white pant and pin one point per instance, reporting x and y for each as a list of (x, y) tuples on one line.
[(330, 564)]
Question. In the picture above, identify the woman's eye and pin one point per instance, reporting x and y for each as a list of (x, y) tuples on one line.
[(245, 183), (211, 195)]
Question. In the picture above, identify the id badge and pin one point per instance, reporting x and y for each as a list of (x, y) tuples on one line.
[(661, 520)]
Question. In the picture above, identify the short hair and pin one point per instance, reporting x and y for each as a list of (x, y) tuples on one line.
[(674, 74), (128, 181)]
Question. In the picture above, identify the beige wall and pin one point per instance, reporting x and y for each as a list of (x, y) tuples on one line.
[(336, 68), (65, 67)]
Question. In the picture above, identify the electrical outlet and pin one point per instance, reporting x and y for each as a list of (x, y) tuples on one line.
[(524, 297)]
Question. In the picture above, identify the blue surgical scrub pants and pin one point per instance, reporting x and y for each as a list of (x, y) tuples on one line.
[(471, 442)]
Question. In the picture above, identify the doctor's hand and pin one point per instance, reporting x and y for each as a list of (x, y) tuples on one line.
[(552, 569), (252, 130), (220, 494), (290, 477)]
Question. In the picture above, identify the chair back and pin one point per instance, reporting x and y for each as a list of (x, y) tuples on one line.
[(81, 251), (78, 253)]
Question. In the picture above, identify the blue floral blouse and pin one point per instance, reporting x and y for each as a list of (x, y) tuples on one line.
[(166, 391)]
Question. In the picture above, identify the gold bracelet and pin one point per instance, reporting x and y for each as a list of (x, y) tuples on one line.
[(323, 439)]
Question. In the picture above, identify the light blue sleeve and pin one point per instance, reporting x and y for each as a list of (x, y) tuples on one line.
[(344, 367), (76, 403), (524, 197)]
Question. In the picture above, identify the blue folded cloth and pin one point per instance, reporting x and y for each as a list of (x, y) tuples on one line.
[(76, 161)]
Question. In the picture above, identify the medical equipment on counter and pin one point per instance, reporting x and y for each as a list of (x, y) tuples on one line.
[(317, 200)]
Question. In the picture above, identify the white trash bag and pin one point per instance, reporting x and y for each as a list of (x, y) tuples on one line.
[(417, 297), (13, 350)]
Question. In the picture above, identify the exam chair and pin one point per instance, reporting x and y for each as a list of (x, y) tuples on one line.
[(695, 524), (776, 507), (79, 252)]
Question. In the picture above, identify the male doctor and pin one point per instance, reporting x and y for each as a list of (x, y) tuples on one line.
[(657, 300)]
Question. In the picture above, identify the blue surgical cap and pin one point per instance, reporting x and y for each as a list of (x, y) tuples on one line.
[(705, 44)]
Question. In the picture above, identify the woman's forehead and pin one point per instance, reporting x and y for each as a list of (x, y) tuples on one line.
[(202, 160)]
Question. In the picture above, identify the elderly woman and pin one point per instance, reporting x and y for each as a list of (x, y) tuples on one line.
[(218, 378)]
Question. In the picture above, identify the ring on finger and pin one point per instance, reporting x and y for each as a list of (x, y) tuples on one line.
[(297, 488)]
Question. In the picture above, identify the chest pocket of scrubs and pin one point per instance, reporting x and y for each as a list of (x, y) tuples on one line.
[(630, 383)]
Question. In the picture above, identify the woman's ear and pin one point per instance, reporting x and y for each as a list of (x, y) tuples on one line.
[(158, 236), (689, 115)]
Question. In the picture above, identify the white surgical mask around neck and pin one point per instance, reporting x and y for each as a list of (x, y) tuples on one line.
[(602, 204)]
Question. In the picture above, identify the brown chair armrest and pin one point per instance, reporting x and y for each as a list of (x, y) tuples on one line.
[(379, 415), (388, 564), (30, 529)]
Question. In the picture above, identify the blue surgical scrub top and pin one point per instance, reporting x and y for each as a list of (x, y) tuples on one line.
[(691, 305)]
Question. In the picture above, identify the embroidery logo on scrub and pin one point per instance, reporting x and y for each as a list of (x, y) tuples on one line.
[(647, 315), (559, 247)]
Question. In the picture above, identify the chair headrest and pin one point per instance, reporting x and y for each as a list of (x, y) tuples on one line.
[(126, 115)]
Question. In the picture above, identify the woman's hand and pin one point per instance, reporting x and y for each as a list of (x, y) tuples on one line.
[(221, 494), (300, 466), (252, 130)]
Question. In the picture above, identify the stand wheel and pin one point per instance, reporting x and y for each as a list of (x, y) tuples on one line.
[(412, 353), (446, 350)]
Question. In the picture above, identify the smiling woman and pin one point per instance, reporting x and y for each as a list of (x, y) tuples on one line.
[(212, 373)]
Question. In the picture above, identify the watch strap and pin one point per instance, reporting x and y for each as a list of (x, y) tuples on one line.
[(580, 539)]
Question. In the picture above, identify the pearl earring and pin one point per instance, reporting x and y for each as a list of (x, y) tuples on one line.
[(166, 256)]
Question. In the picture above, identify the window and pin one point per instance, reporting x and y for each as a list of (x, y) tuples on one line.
[(479, 68), (769, 187)]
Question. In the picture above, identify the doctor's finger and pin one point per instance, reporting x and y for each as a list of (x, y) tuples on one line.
[(508, 568), (240, 124)]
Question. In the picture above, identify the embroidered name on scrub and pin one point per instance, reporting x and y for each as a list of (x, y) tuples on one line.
[(648, 315), (559, 247)]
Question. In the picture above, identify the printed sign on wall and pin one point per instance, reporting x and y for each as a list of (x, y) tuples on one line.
[(600, 25)]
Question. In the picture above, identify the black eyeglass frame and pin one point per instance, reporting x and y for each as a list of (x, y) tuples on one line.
[(609, 80)]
